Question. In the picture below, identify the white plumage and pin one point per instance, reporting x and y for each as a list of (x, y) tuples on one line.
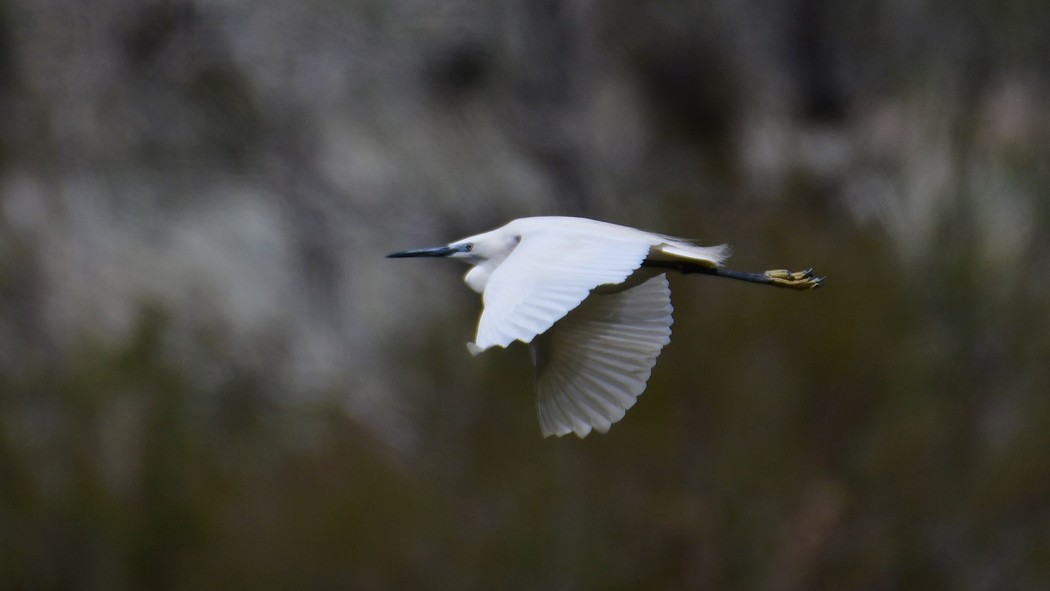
[(593, 301), (593, 363)]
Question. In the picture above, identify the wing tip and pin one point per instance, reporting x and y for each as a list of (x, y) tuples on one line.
[(563, 430)]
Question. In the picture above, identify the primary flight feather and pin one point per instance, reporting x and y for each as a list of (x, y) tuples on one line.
[(592, 300)]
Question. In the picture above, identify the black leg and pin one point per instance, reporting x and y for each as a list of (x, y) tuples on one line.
[(777, 277)]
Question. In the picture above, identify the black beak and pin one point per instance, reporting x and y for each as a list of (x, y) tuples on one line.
[(438, 251)]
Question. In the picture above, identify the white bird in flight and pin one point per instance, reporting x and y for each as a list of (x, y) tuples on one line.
[(592, 300)]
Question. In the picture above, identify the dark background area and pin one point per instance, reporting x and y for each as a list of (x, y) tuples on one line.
[(211, 377)]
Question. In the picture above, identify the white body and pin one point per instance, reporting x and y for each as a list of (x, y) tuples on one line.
[(575, 289)]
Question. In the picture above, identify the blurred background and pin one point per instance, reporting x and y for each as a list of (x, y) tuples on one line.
[(210, 377)]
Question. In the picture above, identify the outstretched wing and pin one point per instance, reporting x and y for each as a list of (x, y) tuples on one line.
[(546, 276), (595, 362)]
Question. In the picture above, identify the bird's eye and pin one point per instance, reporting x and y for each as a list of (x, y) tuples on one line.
[(468, 247)]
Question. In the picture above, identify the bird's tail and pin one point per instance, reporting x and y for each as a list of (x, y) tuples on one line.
[(676, 249)]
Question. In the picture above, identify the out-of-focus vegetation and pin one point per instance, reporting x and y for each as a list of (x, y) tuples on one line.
[(210, 378)]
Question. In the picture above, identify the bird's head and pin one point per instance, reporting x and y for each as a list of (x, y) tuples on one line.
[(490, 246)]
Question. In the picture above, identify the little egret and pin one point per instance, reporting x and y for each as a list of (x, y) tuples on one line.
[(592, 300)]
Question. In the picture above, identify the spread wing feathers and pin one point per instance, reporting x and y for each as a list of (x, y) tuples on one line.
[(595, 362), (545, 277)]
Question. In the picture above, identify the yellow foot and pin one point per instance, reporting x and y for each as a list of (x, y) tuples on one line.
[(794, 279)]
